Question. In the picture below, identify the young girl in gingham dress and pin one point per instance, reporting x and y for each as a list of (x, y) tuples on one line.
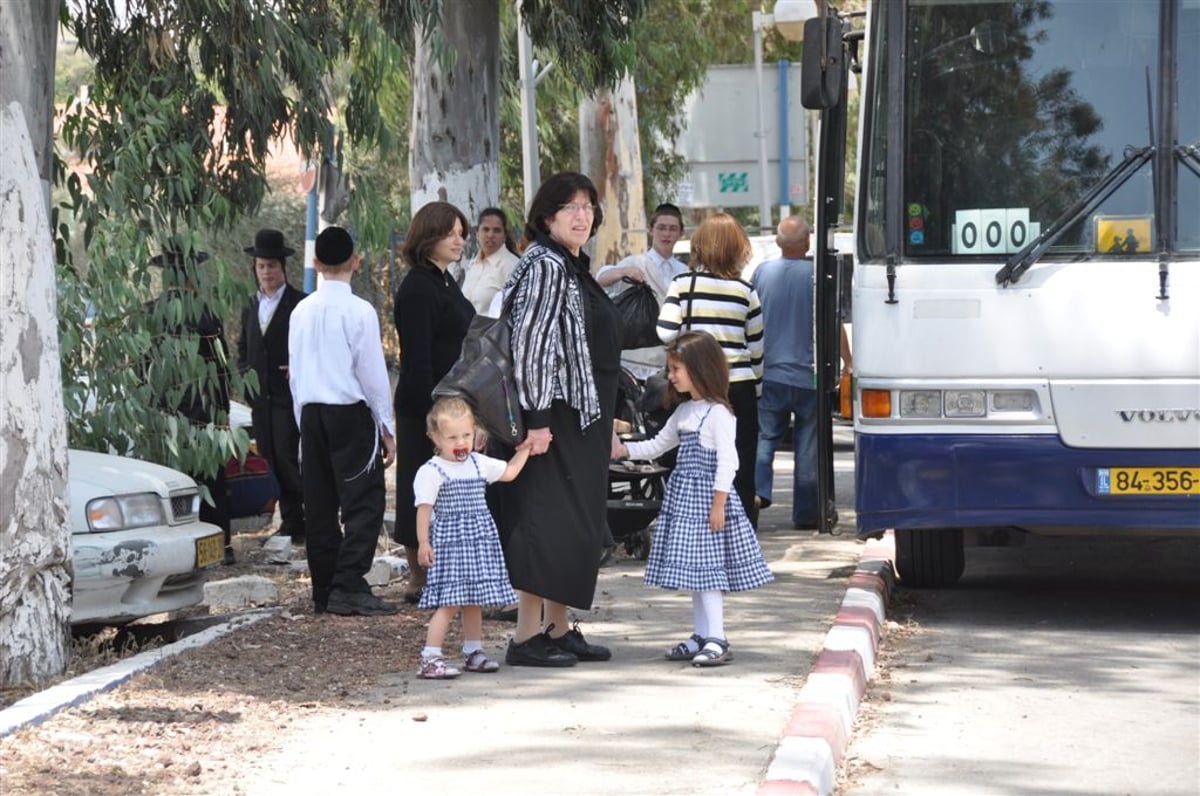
[(458, 541), (703, 542)]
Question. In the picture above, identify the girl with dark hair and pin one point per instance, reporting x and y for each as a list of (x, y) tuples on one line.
[(703, 542), (493, 264), (566, 353), (714, 298), (431, 316)]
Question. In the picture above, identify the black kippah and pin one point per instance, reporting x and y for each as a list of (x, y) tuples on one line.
[(334, 246)]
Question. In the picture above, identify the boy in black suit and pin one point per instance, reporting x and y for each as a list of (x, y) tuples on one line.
[(263, 348)]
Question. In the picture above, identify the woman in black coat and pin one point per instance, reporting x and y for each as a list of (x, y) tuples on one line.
[(566, 356), (431, 316)]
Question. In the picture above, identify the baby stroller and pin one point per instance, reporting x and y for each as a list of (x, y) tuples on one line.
[(635, 489)]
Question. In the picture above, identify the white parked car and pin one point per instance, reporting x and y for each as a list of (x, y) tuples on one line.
[(139, 545)]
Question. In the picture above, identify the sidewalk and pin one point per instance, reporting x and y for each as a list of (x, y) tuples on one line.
[(635, 725)]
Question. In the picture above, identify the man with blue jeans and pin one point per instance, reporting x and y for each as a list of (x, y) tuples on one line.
[(785, 289)]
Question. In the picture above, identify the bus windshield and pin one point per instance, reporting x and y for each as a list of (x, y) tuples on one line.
[(1012, 111)]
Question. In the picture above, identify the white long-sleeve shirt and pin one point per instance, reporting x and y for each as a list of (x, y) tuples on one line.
[(486, 276), (718, 433), (335, 354)]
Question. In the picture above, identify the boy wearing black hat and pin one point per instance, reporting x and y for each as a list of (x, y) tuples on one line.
[(343, 406), (263, 348)]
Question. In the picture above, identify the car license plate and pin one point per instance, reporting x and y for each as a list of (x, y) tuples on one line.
[(209, 550), (1148, 481)]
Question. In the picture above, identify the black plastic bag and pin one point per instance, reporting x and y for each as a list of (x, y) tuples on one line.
[(638, 309)]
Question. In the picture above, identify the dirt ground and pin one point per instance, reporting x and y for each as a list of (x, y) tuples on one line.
[(181, 727)]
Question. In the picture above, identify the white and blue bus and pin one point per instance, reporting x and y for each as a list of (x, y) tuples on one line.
[(1026, 283)]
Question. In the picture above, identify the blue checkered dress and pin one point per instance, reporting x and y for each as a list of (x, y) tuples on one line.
[(468, 565), (685, 554)]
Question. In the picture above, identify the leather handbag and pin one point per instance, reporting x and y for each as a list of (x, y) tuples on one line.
[(483, 376)]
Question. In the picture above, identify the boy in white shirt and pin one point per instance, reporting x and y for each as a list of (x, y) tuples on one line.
[(657, 267), (343, 403)]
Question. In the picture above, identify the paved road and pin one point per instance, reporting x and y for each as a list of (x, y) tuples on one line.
[(1064, 667)]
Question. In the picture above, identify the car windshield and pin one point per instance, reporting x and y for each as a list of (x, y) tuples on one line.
[(1013, 111)]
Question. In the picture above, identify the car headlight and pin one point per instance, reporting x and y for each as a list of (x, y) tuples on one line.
[(122, 512)]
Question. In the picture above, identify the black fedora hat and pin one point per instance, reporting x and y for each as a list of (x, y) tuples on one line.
[(269, 243)]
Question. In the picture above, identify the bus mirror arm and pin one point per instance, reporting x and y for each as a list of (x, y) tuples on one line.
[(1024, 259)]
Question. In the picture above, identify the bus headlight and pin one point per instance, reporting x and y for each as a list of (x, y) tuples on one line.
[(920, 403), (1013, 401), (965, 403)]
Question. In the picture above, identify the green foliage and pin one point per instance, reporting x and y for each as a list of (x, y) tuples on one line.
[(161, 167), (590, 39)]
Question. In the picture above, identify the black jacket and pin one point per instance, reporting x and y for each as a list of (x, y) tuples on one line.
[(431, 316), (266, 352)]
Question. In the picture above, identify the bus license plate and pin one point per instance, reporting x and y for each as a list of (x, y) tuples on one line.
[(1148, 481), (209, 550)]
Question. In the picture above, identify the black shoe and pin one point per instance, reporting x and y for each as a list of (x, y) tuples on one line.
[(358, 604), (539, 650), (574, 642), (229, 559)]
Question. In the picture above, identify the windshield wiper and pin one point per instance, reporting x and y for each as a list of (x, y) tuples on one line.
[(1023, 260)]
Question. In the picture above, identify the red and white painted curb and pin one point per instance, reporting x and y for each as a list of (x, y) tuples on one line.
[(814, 741)]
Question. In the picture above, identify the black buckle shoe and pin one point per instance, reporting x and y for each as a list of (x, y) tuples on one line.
[(358, 604), (574, 642), (538, 650)]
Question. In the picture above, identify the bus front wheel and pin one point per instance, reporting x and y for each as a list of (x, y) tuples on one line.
[(929, 558)]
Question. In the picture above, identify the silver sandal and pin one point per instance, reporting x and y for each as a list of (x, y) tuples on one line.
[(715, 652), (681, 651)]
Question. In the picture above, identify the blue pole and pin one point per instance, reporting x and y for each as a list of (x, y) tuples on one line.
[(310, 241), (784, 155)]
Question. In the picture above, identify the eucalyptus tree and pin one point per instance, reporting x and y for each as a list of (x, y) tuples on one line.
[(34, 536), (455, 137)]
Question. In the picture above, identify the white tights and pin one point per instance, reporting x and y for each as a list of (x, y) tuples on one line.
[(708, 610)]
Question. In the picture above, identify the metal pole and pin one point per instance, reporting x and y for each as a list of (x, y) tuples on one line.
[(310, 239), (764, 201), (530, 168), (785, 154)]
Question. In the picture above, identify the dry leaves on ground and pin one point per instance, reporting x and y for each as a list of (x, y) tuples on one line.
[(183, 727)]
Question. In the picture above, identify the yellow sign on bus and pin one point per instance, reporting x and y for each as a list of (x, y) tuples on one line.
[(1124, 234)]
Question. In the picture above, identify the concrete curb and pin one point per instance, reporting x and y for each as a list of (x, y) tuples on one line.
[(806, 760), (40, 706)]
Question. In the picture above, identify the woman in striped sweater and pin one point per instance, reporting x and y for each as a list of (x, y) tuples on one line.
[(714, 298)]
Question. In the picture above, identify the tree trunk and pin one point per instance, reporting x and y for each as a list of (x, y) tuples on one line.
[(454, 151), (27, 42), (35, 552), (611, 155)]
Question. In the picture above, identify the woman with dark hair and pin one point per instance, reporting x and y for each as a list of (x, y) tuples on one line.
[(566, 353), (493, 264), (431, 316)]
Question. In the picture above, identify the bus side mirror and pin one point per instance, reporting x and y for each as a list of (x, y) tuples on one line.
[(823, 66)]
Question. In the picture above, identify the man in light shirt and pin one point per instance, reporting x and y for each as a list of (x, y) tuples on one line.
[(655, 268), (493, 264), (343, 405)]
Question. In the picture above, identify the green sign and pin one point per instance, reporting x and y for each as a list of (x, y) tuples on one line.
[(734, 182)]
